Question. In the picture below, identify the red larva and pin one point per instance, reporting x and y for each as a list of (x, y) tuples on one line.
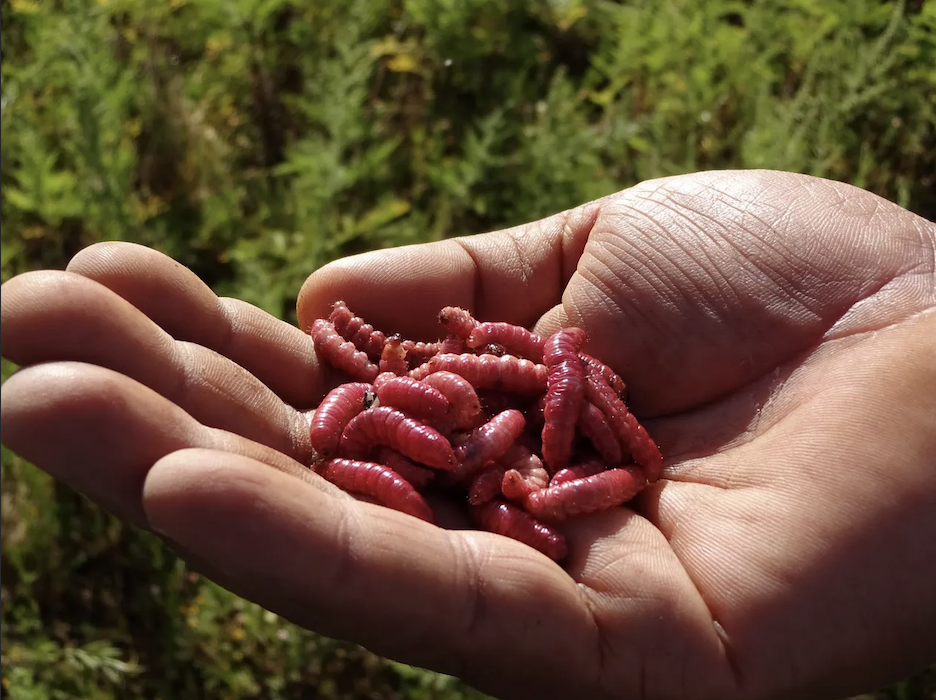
[(345, 322), (418, 476), (525, 473), (336, 410), (563, 346), (489, 372), (645, 451), (509, 520), (564, 395), (591, 494), (340, 353), (520, 457), (383, 378), (388, 426), (352, 328), (369, 341), (457, 321), (613, 378), (487, 442), (516, 340), (462, 397), (413, 397), (452, 345), (595, 427), (474, 388), (630, 433), (378, 482), (588, 467), (418, 352), (517, 374), (516, 487), (393, 357), (486, 485)]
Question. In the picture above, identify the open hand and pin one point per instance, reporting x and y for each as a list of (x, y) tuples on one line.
[(778, 336)]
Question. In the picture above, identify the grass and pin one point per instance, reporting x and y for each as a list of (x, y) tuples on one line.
[(255, 140)]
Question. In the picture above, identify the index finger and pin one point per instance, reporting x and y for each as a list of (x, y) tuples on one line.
[(513, 275), (176, 300)]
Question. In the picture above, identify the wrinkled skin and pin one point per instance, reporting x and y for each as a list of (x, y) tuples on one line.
[(778, 336)]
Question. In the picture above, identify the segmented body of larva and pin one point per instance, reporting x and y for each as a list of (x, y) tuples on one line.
[(587, 467), (452, 345), (487, 442), (594, 425), (508, 373), (353, 328), (464, 404), (393, 357), (418, 476), (515, 487), (457, 321), (525, 472), (369, 341), (515, 340), (379, 482), (413, 397), (564, 394), (631, 434), (383, 378), (614, 380), (343, 319), (340, 353), (337, 409), (511, 521), (418, 352), (486, 484), (384, 425), (590, 494)]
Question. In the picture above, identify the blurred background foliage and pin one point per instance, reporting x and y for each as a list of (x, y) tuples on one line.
[(255, 140)]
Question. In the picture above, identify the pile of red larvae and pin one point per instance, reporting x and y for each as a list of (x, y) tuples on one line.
[(532, 428)]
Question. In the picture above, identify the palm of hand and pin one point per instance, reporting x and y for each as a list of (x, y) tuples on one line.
[(787, 372)]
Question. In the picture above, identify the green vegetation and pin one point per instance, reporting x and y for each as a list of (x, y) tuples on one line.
[(255, 140)]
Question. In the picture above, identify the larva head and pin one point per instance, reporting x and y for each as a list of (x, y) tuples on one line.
[(458, 321), (319, 325), (576, 335)]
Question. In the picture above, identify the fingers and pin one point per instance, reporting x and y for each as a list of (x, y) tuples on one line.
[(513, 275), (100, 432), (475, 604), (280, 355), (56, 316), (469, 603)]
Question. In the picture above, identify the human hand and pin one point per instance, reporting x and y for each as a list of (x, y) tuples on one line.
[(778, 337)]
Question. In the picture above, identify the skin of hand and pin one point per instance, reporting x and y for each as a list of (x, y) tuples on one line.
[(778, 335)]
